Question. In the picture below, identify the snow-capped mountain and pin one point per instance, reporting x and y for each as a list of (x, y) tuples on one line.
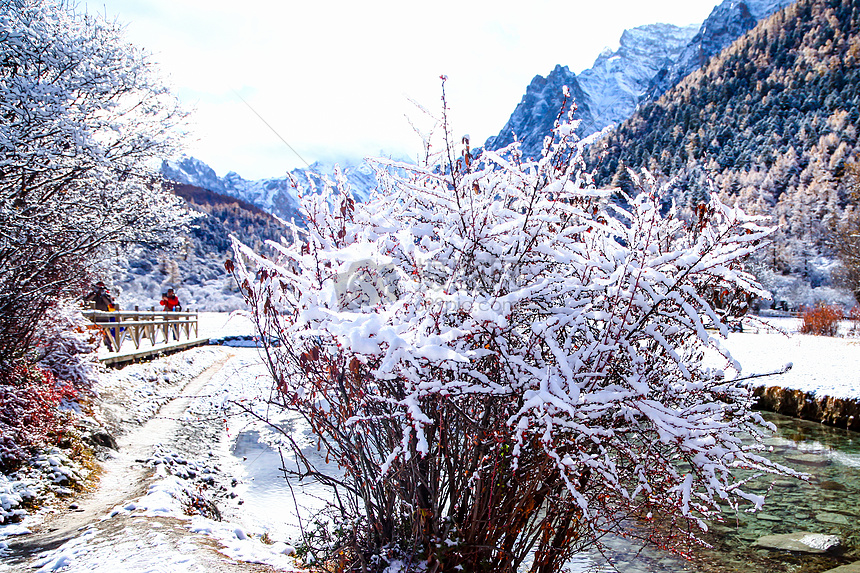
[(649, 61), (192, 171), (275, 195), (726, 23), (616, 82), (535, 115), (606, 93)]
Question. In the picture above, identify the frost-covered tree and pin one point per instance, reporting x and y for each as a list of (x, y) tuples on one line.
[(845, 234), (83, 114), (505, 365)]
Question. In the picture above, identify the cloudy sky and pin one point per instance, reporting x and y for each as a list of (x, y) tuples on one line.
[(336, 78)]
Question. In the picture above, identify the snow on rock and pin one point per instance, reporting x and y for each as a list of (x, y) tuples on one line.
[(534, 116), (12, 494), (48, 477), (801, 542), (193, 172), (618, 80)]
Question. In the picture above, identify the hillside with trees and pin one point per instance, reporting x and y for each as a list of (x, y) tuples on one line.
[(226, 216), (770, 124), (196, 268)]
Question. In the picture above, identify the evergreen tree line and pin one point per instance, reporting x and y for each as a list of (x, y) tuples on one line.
[(226, 216)]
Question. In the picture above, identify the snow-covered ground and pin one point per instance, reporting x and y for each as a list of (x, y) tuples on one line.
[(173, 493), (178, 495), (223, 324), (821, 365)]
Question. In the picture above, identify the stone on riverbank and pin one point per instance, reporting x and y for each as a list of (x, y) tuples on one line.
[(837, 518), (813, 460), (850, 568), (832, 486), (800, 542)]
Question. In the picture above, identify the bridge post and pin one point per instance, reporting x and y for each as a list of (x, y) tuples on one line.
[(150, 328), (136, 330)]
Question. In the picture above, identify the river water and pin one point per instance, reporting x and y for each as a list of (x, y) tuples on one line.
[(829, 503)]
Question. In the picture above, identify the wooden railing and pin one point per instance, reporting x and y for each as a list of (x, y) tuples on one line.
[(135, 326)]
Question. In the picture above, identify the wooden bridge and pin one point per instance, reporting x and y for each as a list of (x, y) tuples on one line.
[(150, 333)]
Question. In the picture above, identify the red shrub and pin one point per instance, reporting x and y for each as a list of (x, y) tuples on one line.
[(822, 320), (29, 397)]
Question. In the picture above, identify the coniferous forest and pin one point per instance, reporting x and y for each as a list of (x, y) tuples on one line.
[(770, 124)]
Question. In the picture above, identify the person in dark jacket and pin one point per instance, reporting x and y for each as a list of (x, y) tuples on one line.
[(104, 302), (101, 296), (170, 302)]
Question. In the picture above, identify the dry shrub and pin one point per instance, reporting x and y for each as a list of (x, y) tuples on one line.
[(822, 320), (29, 397)]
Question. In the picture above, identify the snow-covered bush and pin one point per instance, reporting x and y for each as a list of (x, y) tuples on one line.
[(84, 116), (66, 344), (505, 365)]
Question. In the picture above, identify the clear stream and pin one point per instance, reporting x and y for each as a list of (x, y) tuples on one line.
[(828, 503)]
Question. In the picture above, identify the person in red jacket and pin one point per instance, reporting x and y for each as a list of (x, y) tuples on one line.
[(170, 302)]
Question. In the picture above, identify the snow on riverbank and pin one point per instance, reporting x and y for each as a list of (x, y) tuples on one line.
[(821, 365), (222, 324)]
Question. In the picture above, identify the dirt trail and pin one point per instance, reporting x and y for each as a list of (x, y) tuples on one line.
[(126, 476)]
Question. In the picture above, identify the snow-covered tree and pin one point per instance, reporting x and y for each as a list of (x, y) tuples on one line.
[(83, 114), (845, 234), (507, 366)]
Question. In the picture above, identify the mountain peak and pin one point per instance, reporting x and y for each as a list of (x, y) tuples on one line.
[(536, 113), (649, 60), (618, 79), (275, 195), (192, 171)]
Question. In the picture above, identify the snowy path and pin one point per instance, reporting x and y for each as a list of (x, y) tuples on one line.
[(106, 531)]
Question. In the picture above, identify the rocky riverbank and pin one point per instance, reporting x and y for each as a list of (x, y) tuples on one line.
[(809, 405)]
